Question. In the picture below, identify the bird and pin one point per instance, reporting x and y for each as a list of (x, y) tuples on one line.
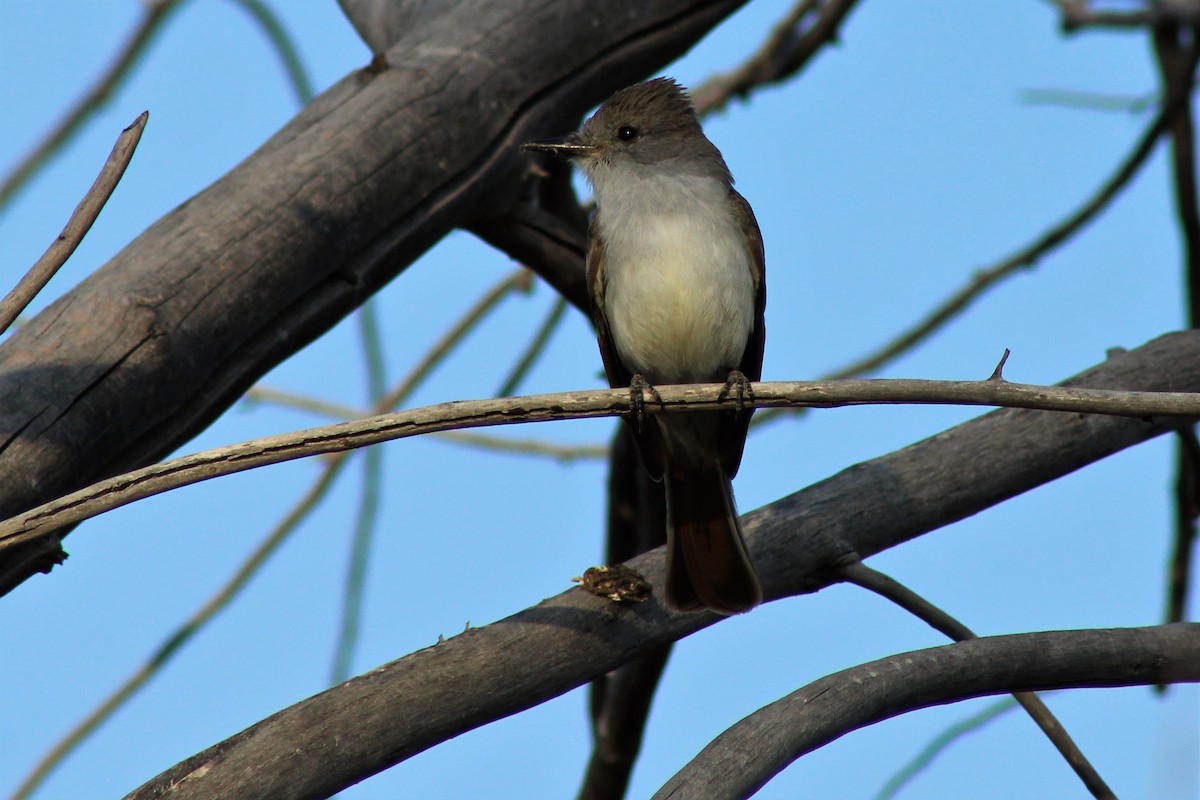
[(676, 275)]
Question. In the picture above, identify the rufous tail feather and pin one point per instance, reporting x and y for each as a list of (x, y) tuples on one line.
[(707, 563)]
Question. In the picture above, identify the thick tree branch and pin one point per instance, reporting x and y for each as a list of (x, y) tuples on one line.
[(1078, 14), (380, 718), (745, 757), (361, 182), (885, 586)]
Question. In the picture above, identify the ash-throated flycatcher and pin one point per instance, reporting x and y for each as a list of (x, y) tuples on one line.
[(676, 273)]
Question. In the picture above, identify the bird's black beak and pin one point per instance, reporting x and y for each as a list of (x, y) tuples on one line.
[(566, 148)]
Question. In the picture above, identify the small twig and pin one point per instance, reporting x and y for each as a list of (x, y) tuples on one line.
[(785, 52), (998, 372), (887, 587), (1092, 101), (293, 65), (1026, 257), (302, 402), (78, 225), (939, 743), (535, 349), (519, 280), (1023, 258), (152, 21), (122, 489), (331, 469), (500, 444), (182, 634), (367, 514), (526, 447)]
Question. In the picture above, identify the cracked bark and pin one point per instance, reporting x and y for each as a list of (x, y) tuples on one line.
[(157, 343)]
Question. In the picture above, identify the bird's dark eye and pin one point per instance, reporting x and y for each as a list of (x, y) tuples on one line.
[(627, 133)]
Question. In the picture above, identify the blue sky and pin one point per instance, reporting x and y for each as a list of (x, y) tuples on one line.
[(899, 163)]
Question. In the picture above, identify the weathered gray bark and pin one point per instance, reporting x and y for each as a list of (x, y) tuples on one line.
[(158, 342), (742, 759), (341, 736)]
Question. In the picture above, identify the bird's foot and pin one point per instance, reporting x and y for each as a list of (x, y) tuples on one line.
[(638, 388), (739, 386)]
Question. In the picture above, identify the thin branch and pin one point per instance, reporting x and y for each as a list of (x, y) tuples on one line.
[(500, 444), (137, 484), (940, 742), (78, 225), (786, 51), (301, 402), (1092, 101), (872, 580), (623, 698), (535, 348), (182, 634), (1176, 52), (519, 280), (563, 453), (367, 514), (152, 21), (619, 701), (392, 713), (743, 758), (279, 38), (1024, 258), (331, 470), (1187, 509)]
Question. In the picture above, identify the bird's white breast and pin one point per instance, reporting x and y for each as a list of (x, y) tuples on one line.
[(680, 296)]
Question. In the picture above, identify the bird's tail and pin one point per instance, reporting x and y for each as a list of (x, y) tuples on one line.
[(707, 563)]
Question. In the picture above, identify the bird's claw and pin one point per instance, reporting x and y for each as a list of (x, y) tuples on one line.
[(638, 388), (739, 386)]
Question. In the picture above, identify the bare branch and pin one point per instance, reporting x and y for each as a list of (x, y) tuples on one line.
[(809, 26), (279, 38), (535, 348), (742, 759), (78, 225), (1079, 14), (940, 743), (1176, 51), (184, 632), (860, 574), (620, 700), (123, 489), (1187, 509), (1024, 258), (331, 469), (518, 446), (403, 708), (154, 17), (342, 199)]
